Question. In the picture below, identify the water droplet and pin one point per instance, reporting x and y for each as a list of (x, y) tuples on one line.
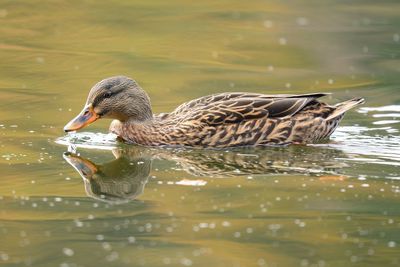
[(396, 37), (268, 24), (302, 21), (186, 262), (68, 252)]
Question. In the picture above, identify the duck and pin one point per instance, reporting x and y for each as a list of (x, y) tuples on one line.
[(221, 120)]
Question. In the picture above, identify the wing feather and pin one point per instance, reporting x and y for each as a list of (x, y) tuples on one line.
[(230, 108)]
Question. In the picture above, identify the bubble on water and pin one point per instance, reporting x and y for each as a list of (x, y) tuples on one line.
[(391, 244), (282, 41), (4, 256), (40, 60), (302, 21), (362, 178), (78, 223), (188, 182), (226, 224), (354, 258), (203, 225), (396, 37), (186, 262), (261, 262), (113, 256), (100, 237), (371, 252), (68, 252), (268, 24), (304, 262), (131, 239), (106, 246)]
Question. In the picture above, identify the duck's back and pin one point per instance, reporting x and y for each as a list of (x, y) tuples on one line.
[(246, 119)]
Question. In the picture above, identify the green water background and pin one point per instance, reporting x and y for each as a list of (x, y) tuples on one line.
[(330, 205)]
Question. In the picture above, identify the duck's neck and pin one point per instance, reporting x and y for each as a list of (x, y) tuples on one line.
[(145, 132)]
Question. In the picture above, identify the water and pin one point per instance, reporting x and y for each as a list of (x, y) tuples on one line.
[(86, 200)]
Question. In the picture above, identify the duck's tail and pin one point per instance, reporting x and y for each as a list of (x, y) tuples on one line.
[(345, 106)]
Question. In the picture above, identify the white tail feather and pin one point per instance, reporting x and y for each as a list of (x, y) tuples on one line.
[(345, 106)]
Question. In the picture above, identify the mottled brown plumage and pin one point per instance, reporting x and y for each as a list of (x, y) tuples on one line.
[(220, 120)]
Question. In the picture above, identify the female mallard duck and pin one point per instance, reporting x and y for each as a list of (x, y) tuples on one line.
[(220, 120)]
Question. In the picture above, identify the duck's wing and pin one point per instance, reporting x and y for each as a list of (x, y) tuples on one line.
[(223, 97), (237, 107)]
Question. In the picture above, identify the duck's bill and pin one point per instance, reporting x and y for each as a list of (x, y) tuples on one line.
[(86, 117), (85, 167)]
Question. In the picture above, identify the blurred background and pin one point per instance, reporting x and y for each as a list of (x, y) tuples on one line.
[(331, 204)]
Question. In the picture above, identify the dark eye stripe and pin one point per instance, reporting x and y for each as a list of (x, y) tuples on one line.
[(100, 97), (108, 94)]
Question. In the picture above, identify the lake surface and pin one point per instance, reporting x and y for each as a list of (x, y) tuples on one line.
[(101, 203)]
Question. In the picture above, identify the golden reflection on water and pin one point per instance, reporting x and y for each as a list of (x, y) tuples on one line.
[(295, 206)]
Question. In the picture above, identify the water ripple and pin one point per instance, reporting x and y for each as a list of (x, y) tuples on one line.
[(89, 140), (372, 145)]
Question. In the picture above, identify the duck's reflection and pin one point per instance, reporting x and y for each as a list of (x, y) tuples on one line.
[(120, 180), (124, 178), (253, 161)]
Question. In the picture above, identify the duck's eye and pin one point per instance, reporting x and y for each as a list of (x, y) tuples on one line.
[(107, 95)]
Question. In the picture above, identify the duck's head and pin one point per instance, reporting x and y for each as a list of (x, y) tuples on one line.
[(119, 98)]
